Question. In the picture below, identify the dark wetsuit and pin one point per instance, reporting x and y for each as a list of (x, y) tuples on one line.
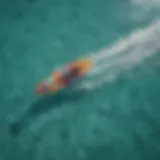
[(70, 76)]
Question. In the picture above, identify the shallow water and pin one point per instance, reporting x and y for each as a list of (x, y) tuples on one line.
[(114, 119)]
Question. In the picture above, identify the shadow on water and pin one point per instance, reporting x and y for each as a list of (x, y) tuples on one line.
[(41, 106)]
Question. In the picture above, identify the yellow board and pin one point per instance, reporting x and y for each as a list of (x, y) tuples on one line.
[(85, 66), (56, 86)]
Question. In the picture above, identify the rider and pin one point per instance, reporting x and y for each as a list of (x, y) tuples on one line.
[(70, 75), (67, 77)]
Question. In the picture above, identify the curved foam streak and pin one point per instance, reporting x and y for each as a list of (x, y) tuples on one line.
[(110, 76), (146, 44), (126, 43), (138, 52)]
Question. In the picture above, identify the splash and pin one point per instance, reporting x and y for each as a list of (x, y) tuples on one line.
[(123, 55)]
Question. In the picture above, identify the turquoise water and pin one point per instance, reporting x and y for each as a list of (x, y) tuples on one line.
[(117, 120)]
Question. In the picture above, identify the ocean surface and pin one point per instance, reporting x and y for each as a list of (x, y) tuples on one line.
[(114, 113)]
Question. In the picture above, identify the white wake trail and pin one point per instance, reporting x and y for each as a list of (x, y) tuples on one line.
[(124, 55), (147, 42), (125, 44), (112, 74)]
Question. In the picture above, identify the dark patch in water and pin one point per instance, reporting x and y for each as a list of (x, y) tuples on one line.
[(3, 40), (19, 15), (30, 1), (41, 106), (64, 134), (100, 153), (16, 127)]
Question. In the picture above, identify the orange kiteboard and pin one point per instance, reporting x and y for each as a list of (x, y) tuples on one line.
[(84, 66)]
